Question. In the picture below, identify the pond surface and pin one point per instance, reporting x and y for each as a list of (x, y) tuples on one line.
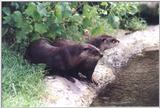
[(136, 84)]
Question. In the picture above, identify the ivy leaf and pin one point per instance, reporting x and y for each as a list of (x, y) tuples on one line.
[(6, 10), (58, 12), (74, 4), (35, 36), (41, 8), (104, 4), (32, 11), (66, 10), (7, 20), (17, 18), (40, 28), (27, 27)]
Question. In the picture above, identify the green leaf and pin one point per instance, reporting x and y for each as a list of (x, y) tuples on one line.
[(27, 27), (15, 4), (32, 11), (74, 4), (59, 29), (98, 30), (20, 35), (66, 10), (89, 12), (86, 11), (41, 8), (7, 19), (6, 10), (114, 21), (35, 36), (86, 22), (58, 12), (104, 4), (17, 18), (40, 28), (76, 19)]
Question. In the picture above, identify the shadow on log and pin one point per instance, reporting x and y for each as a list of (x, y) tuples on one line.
[(64, 93)]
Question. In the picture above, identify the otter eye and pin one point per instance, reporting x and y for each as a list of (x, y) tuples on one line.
[(113, 41), (103, 39)]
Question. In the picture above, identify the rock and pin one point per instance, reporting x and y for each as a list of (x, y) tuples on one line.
[(131, 45), (62, 92)]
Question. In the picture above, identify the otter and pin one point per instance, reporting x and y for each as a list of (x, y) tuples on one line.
[(64, 61), (39, 50), (103, 42), (67, 60)]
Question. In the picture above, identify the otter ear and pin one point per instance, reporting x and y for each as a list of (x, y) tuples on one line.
[(87, 47)]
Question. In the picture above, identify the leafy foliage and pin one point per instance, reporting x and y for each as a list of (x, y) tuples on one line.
[(27, 21)]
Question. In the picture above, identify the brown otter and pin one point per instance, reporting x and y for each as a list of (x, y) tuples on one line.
[(103, 42), (68, 60)]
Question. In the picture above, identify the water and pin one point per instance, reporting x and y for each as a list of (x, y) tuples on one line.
[(136, 84)]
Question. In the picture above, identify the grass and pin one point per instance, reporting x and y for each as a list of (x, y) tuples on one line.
[(22, 84)]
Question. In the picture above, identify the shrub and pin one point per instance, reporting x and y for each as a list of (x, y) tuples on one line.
[(135, 24), (24, 22), (48, 19)]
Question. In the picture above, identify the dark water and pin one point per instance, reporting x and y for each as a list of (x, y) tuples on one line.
[(136, 84)]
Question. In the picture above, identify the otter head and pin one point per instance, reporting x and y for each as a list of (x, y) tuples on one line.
[(90, 51), (107, 42)]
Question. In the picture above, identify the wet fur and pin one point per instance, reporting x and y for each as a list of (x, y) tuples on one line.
[(70, 60), (38, 51), (66, 60)]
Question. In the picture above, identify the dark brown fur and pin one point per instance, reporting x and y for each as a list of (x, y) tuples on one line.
[(63, 42), (66, 60), (69, 59), (38, 51)]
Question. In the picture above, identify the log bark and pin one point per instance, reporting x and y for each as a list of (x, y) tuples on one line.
[(64, 93)]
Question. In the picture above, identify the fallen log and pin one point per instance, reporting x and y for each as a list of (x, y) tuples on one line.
[(64, 93)]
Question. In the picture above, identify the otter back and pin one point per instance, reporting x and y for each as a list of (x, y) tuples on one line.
[(63, 42), (39, 51)]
